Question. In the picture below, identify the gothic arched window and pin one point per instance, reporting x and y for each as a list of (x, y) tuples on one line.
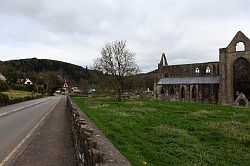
[(162, 91), (208, 70), (197, 70), (171, 91), (183, 93), (240, 46)]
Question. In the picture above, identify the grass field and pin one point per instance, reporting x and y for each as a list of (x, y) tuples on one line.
[(17, 94), (153, 132)]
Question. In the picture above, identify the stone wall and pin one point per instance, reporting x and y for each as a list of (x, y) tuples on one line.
[(233, 70), (85, 144), (228, 56), (207, 93), (92, 147), (189, 70), (203, 92)]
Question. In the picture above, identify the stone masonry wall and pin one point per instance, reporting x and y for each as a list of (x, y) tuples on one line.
[(92, 147)]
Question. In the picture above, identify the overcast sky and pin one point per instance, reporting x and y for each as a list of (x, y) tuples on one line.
[(75, 30)]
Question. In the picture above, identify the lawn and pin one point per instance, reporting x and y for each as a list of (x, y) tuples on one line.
[(13, 94), (153, 132)]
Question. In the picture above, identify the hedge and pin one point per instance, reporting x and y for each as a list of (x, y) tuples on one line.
[(4, 99)]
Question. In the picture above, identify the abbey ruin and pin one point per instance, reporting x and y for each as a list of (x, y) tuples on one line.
[(223, 82)]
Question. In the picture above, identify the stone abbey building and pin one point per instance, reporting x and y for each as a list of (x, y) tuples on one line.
[(224, 82)]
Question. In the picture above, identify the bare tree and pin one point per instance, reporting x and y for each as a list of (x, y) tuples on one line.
[(118, 62)]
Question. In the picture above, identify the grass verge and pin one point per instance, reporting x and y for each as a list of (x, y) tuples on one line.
[(153, 132), (13, 94)]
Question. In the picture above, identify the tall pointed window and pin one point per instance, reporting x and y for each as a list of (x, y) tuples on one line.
[(172, 91), (208, 70), (197, 70), (164, 62), (183, 93), (162, 91), (194, 93), (240, 46)]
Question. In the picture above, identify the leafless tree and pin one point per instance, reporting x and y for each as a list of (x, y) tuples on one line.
[(117, 61)]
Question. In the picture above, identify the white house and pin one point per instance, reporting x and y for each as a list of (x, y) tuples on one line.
[(75, 89), (2, 77), (28, 82)]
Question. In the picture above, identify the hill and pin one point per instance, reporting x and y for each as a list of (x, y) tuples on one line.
[(54, 73), (65, 70), (44, 71)]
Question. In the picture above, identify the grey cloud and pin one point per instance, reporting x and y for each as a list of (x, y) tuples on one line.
[(74, 31)]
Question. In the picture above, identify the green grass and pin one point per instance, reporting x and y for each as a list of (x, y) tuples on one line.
[(13, 94), (153, 132)]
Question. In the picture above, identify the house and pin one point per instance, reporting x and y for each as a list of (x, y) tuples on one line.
[(75, 89), (225, 82), (2, 77), (28, 82)]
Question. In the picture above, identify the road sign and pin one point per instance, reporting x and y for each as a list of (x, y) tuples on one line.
[(65, 85)]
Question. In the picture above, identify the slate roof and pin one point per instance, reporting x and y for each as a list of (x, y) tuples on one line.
[(188, 80)]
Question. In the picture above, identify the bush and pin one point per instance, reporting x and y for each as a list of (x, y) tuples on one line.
[(15, 100), (26, 98), (30, 88), (17, 87), (4, 99), (40, 89), (3, 86)]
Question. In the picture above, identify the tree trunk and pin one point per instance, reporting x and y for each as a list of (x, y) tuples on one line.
[(119, 92), (119, 97)]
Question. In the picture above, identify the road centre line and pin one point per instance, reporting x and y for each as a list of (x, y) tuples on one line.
[(19, 109)]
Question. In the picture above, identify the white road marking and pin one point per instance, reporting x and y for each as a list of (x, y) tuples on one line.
[(18, 109), (8, 157)]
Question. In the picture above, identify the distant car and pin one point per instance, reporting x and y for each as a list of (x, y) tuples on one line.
[(90, 91), (58, 91)]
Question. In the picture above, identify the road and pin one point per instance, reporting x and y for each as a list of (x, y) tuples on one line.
[(19, 121)]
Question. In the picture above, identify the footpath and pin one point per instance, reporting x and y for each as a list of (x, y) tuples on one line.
[(53, 143)]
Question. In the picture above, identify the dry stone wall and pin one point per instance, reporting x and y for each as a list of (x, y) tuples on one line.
[(92, 147)]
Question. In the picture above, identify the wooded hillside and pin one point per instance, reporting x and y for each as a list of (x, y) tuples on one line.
[(53, 73)]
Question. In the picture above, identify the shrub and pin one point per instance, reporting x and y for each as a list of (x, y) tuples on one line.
[(3, 86), (40, 89), (4, 99), (30, 88), (17, 87)]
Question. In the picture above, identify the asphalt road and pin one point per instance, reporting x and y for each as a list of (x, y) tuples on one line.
[(19, 120)]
